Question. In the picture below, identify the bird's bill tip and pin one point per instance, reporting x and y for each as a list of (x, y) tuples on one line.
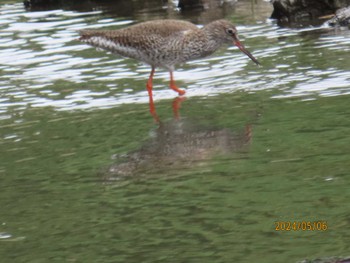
[(245, 51)]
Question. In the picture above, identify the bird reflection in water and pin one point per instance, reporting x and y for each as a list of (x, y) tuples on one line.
[(176, 105), (177, 144)]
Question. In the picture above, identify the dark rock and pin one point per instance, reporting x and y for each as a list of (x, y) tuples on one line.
[(341, 18), (190, 4), (295, 10)]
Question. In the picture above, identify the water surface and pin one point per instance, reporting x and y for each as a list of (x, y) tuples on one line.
[(86, 174)]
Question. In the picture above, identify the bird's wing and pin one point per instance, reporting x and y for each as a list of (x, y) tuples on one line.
[(161, 28), (139, 36)]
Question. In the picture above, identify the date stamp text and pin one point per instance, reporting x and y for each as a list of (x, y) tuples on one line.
[(301, 225)]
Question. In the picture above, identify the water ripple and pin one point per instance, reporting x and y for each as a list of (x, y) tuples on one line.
[(38, 52)]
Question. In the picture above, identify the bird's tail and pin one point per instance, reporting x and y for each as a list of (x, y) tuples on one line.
[(97, 38)]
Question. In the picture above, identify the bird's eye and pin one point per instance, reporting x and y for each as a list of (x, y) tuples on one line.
[(230, 31)]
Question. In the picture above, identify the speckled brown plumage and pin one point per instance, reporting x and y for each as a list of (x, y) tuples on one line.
[(165, 43)]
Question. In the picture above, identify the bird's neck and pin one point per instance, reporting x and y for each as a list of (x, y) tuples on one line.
[(213, 42)]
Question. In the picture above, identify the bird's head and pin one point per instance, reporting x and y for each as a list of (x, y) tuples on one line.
[(228, 33)]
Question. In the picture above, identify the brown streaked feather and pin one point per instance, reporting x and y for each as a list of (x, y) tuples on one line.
[(140, 40), (165, 43), (160, 28), (139, 34)]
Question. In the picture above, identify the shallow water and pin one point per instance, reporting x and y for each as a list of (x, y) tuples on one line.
[(86, 174)]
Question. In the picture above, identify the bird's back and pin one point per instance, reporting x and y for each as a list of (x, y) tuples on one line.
[(145, 41)]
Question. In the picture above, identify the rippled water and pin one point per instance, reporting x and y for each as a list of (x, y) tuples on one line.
[(87, 176), (39, 50)]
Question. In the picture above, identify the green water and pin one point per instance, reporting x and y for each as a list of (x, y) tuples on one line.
[(87, 175), (57, 207)]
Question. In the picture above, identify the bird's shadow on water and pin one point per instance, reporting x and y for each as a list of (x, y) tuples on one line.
[(175, 147)]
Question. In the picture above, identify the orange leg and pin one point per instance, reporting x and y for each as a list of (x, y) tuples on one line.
[(149, 86), (248, 133), (150, 83), (176, 106), (173, 85)]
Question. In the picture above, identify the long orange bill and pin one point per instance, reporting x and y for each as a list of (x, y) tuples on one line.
[(245, 51)]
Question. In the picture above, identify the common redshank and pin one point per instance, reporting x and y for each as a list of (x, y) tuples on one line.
[(165, 43)]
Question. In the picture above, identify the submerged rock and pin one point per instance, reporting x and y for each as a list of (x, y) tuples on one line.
[(327, 260)]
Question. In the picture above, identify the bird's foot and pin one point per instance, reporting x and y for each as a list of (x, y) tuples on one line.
[(175, 88), (181, 92)]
